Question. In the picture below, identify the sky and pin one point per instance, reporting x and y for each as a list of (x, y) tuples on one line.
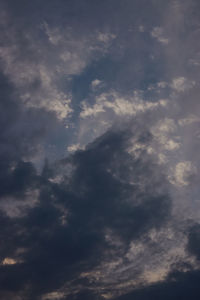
[(99, 149)]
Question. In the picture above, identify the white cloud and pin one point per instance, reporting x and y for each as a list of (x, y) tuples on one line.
[(53, 34), (23, 74), (106, 37), (158, 34), (162, 84), (180, 84), (54, 296), (121, 106), (182, 173), (188, 120), (74, 147), (15, 208), (167, 143), (143, 265), (95, 83), (39, 73), (91, 111), (166, 125), (164, 132), (162, 158), (171, 145)]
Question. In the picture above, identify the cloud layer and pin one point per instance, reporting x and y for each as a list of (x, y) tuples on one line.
[(99, 160)]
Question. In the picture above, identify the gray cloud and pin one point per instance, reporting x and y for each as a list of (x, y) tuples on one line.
[(99, 168)]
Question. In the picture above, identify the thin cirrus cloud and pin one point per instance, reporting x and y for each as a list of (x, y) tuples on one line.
[(99, 160)]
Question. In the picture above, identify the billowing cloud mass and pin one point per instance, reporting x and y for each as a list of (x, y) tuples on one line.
[(99, 150)]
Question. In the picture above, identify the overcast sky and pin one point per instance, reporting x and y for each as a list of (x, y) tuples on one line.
[(99, 149)]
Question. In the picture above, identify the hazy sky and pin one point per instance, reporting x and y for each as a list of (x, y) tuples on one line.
[(99, 149)]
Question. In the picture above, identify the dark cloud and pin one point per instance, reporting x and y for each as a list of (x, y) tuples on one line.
[(116, 217), (181, 283), (22, 130), (97, 197), (194, 240), (180, 286)]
